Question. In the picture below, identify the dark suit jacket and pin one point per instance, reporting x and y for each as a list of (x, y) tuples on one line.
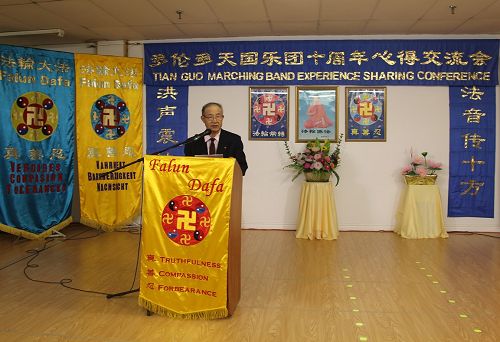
[(230, 145)]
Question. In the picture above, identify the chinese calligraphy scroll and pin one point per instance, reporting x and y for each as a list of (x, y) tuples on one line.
[(166, 118), (472, 151)]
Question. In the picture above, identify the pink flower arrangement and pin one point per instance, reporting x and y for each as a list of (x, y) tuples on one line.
[(315, 158), (421, 166)]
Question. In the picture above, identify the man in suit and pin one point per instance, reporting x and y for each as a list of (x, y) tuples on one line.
[(219, 141)]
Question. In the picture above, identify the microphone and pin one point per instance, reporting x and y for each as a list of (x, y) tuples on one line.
[(199, 135), (189, 140)]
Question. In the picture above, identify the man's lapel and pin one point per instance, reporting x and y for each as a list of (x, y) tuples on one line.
[(200, 146), (222, 146), (203, 146)]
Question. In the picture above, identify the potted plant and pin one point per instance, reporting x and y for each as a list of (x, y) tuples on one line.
[(421, 171), (317, 163)]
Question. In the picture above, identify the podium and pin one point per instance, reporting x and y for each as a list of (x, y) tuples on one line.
[(234, 246), (191, 237), (420, 214)]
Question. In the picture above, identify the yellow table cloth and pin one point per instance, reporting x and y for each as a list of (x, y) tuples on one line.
[(420, 214), (317, 213)]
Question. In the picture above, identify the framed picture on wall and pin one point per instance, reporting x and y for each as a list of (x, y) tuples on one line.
[(366, 118), (316, 110), (268, 119)]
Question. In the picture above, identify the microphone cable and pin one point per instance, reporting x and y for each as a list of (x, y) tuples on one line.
[(64, 282)]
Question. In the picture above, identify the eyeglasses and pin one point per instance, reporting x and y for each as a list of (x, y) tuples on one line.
[(217, 117)]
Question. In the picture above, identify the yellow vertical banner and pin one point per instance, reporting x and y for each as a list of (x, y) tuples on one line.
[(109, 136), (184, 258)]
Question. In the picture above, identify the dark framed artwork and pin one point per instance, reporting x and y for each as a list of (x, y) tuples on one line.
[(268, 113), (316, 114), (366, 118)]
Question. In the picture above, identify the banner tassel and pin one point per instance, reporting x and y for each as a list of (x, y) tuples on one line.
[(27, 235), (162, 311)]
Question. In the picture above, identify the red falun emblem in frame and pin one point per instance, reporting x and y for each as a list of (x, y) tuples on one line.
[(186, 220)]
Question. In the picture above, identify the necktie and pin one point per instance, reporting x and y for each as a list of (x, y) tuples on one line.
[(211, 148)]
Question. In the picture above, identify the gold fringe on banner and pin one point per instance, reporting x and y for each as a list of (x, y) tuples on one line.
[(31, 236), (160, 310), (102, 226)]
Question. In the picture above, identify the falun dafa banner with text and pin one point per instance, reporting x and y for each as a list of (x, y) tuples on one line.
[(186, 212), (37, 104), (109, 136)]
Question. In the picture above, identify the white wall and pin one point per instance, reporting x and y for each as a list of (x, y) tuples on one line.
[(370, 187)]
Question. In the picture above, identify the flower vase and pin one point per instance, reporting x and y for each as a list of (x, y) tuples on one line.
[(420, 180), (317, 176)]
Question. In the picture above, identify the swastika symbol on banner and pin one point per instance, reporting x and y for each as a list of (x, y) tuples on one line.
[(205, 222), (185, 239), (186, 220), (167, 218), (110, 117), (34, 116), (187, 201)]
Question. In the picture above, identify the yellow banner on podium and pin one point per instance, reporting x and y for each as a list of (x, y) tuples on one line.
[(186, 212)]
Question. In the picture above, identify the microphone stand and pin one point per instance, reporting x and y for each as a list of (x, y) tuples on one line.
[(191, 139)]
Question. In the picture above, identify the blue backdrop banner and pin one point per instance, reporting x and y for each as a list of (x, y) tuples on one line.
[(340, 62), (471, 190), (166, 116), (37, 140)]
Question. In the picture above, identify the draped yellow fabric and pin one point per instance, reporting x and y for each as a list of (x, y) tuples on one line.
[(420, 214), (317, 212), (109, 135), (186, 212)]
